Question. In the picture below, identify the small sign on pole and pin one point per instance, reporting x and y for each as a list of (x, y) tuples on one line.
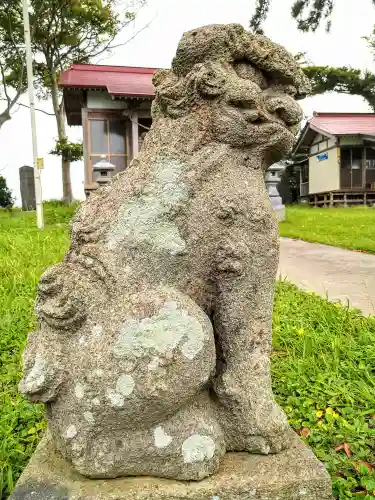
[(40, 163)]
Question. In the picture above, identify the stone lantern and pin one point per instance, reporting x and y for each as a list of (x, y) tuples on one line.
[(103, 171), (272, 179)]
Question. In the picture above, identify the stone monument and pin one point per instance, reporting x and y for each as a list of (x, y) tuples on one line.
[(27, 188), (152, 347)]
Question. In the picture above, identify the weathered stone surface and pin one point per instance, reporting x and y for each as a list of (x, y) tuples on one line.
[(27, 188), (294, 474), (152, 347)]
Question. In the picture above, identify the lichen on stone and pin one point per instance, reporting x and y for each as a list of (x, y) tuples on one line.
[(148, 218), (71, 431), (116, 399), (89, 417), (125, 385), (170, 328), (36, 377), (198, 448), (162, 440), (79, 391)]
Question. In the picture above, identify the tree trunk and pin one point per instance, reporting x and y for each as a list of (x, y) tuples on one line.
[(59, 110), (67, 186), (4, 117)]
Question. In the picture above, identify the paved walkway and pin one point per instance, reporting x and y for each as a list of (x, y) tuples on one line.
[(341, 274)]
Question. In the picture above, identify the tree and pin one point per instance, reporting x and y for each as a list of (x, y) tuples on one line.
[(6, 198), (66, 32), (12, 60), (71, 31), (309, 14), (343, 80), (371, 41), (10, 89)]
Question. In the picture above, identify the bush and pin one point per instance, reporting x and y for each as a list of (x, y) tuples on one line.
[(6, 198)]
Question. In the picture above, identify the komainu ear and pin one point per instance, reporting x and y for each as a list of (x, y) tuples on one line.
[(171, 96), (160, 76), (209, 79)]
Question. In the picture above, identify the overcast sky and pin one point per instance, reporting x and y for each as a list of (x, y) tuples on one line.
[(155, 47)]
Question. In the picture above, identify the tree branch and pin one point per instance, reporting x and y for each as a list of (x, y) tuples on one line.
[(4, 84), (261, 11), (111, 47), (343, 80), (28, 107), (15, 46)]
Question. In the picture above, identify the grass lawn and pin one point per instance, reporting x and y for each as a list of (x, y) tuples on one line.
[(351, 227), (323, 363)]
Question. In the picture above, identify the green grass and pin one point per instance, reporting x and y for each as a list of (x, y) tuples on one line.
[(24, 254), (323, 362), (351, 227), (323, 376)]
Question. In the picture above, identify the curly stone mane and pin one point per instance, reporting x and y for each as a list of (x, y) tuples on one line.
[(196, 74)]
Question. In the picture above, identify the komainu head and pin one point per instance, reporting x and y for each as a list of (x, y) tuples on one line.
[(241, 86)]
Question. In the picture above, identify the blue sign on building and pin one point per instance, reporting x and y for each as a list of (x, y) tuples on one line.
[(323, 156)]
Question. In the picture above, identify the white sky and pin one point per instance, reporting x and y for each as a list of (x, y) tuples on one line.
[(156, 46)]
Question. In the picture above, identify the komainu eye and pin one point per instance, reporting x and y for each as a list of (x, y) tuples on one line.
[(247, 71), (278, 87)]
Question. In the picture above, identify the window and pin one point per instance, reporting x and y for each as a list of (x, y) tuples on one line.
[(346, 159), (370, 158), (107, 137), (117, 141), (356, 158), (304, 172), (370, 167), (351, 168), (304, 179), (99, 141)]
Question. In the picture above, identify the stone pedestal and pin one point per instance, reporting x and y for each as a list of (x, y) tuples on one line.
[(277, 203), (294, 474)]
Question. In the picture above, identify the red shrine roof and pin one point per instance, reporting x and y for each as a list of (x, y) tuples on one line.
[(344, 123), (335, 125), (119, 81)]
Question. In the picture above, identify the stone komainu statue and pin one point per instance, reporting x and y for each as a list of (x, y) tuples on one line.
[(154, 333)]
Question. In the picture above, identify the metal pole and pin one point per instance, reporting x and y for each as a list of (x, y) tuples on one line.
[(30, 84)]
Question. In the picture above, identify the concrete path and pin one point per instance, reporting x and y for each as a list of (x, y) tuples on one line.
[(341, 274)]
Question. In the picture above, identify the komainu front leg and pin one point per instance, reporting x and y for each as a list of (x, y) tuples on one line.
[(243, 327)]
